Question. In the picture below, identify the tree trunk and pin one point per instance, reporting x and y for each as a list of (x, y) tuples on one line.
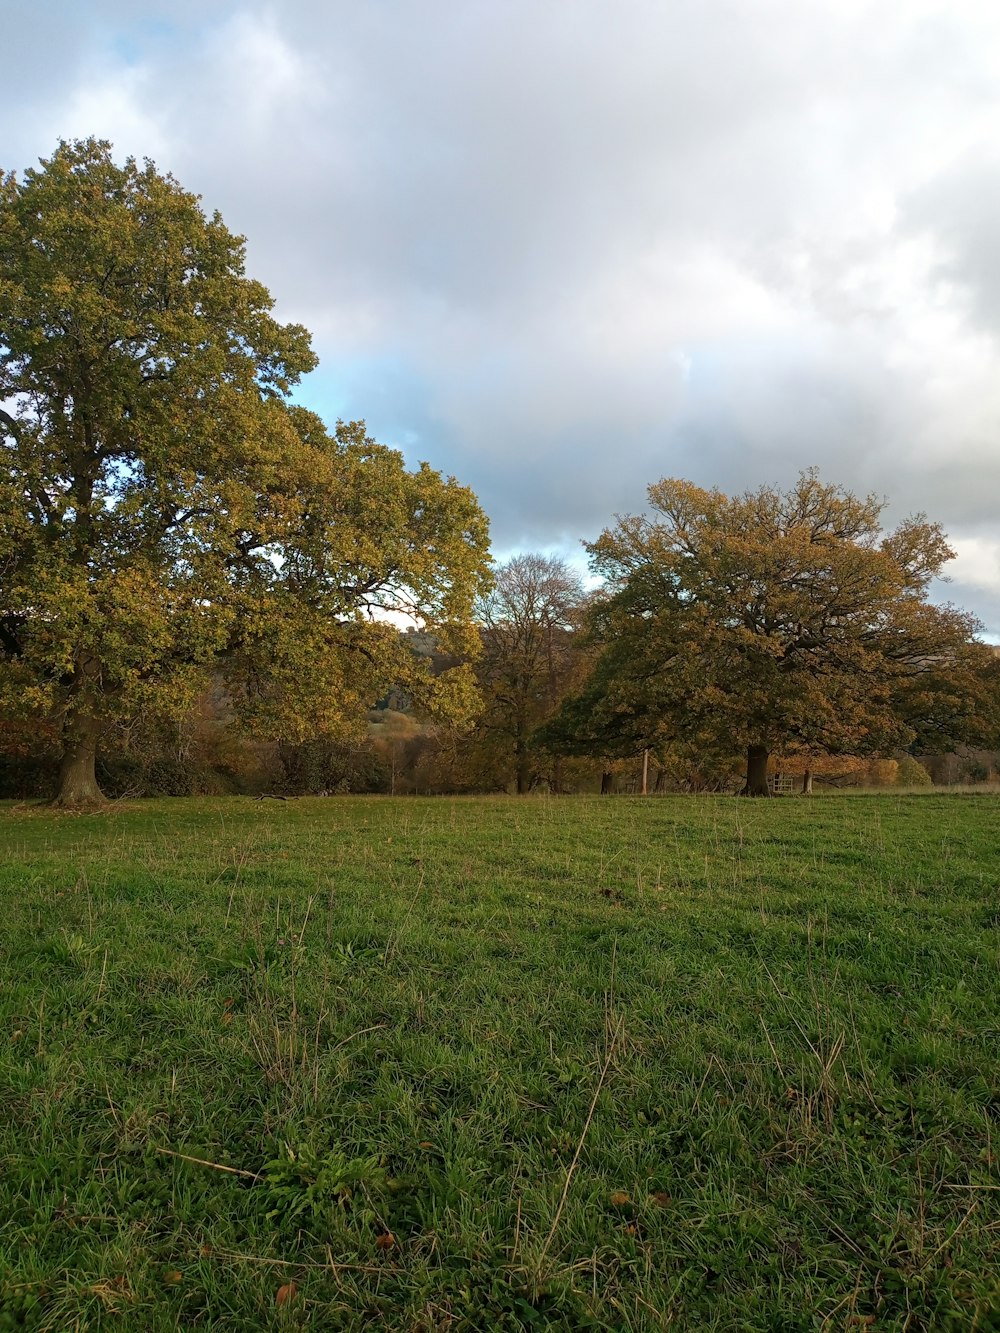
[(807, 782), (645, 772), (522, 756), (607, 784), (77, 777), (756, 785)]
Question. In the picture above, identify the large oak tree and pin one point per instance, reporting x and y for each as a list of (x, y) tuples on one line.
[(774, 620), (164, 509)]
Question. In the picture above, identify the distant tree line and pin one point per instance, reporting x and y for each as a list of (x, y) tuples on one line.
[(551, 719)]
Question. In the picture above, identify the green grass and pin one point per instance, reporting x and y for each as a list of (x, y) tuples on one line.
[(765, 1033)]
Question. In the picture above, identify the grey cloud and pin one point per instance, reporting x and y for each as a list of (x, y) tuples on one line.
[(960, 210)]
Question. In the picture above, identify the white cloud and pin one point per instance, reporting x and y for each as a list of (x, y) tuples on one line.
[(976, 563), (113, 105)]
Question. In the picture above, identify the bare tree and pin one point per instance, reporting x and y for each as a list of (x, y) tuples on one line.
[(530, 654)]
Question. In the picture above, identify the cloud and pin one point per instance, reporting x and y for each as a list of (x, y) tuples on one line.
[(561, 250)]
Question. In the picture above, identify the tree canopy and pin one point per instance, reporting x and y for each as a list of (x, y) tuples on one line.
[(165, 509), (772, 620)]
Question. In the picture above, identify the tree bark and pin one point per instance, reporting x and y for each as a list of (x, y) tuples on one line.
[(607, 784), (522, 756), (807, 782), (756, 784), (78, 787)]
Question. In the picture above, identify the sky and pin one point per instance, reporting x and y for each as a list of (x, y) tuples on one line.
[(560, 248)]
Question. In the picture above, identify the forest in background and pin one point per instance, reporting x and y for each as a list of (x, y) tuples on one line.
[(528, 666)]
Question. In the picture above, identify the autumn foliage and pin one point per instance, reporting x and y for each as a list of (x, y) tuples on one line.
[(165, 511), (771, 621)]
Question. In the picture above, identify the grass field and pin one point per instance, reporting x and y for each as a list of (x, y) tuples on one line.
[(495, 1064)]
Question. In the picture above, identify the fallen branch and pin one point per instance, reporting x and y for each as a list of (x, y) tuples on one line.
[(216, 1166)]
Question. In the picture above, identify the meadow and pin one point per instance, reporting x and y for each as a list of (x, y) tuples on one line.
[(352, 1063)]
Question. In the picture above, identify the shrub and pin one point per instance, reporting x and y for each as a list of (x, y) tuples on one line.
[(883, 772), (910, 772)]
